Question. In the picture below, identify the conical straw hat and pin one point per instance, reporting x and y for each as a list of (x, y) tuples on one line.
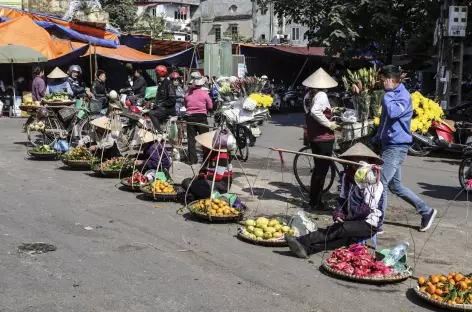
[(209, 141), (320, 80), (57, 73), (360, 150), (102, 122), (148, 136)]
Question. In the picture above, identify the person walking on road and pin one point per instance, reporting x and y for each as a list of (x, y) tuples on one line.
[(320, 131), (198, 103), (394, 137)]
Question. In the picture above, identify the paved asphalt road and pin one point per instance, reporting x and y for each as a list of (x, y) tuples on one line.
[(143, 257)]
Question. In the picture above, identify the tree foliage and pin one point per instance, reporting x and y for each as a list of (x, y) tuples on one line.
[(122, 13), (152, 25), (354, 27)]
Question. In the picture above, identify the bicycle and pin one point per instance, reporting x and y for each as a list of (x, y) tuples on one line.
[(303, 173), (63, 121)]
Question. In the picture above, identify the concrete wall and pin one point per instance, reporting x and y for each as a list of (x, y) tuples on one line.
[(17, 4)]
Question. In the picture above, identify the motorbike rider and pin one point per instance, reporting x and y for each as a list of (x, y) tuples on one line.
[(179, 91), (78, 87), (99, 88), (139, 84), (165, 98), (266, 86)]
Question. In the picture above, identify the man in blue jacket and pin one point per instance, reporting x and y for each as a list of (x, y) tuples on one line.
[(393, 135)]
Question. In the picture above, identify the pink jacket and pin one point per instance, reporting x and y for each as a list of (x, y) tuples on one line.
[(197, 101)]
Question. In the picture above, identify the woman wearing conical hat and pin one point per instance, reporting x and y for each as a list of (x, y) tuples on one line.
[(358, 213), (320, 130), (57, 82)]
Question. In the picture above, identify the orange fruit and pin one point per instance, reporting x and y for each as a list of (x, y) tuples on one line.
[(431, 289), (428, 283), (459, 300), (452, 273), (459, 277), (440, 285), (428, 295), (463, 285), (442, 278), (434, 279), (421, 280), (423, 289), (450, 302), (452, 282), (438, 292)]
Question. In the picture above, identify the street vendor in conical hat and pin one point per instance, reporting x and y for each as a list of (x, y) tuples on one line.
[(358, 209), (100, 140), (216, 147), (155, 153), (320, 131), (57, 82)]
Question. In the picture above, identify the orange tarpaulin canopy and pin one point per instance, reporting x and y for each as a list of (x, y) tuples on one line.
[(24, 31), (92, 31), (121, 53)]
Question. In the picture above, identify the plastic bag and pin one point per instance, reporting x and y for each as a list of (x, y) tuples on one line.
[(151, 93), (115, 127), (61, 146), (349, 116), (302, 223), (151, 175)]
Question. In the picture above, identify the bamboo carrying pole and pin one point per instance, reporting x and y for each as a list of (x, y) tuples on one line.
[(342, 161)]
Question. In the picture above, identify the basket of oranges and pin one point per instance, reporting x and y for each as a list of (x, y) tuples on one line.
[(452, 291), (216, 210), (163, 191)]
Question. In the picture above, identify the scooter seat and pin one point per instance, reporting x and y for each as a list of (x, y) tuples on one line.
[(450, 124)]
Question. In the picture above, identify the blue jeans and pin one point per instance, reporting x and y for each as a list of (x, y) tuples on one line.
[(393, 157)]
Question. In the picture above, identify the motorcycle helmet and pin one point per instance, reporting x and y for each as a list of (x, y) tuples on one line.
[(113, 95), (174, 75), (161, 71), (74, 69), (134, 109), (42, 113), (128, 103)]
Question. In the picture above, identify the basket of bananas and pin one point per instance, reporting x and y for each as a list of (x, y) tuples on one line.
[(79, 158)]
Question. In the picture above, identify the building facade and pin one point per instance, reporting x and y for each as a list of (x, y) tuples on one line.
[(243, 20), (177, 14)]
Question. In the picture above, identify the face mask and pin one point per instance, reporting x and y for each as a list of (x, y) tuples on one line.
[(366, 175)]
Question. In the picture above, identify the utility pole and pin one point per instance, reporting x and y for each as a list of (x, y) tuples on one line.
[(254, 21), (450, 53)]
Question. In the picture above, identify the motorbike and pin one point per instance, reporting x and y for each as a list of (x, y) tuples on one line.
[(465, 169), (293, 98), (278, 94), (445, 135)]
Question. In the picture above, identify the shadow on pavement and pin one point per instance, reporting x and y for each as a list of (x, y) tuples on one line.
[(413, 298), (288, 120), (401, 225), (443, 192)]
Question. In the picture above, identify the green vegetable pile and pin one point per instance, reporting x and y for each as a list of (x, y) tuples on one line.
[(116, 164), (43, 149), (57, 97), (79, 153)]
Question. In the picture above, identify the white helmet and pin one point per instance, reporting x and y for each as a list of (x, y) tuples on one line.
[(264, 77), (113, 95)]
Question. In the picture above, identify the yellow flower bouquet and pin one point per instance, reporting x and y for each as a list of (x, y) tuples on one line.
[(262, 100), (425, 111)]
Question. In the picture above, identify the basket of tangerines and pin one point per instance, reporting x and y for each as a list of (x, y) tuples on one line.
[(452, 291)]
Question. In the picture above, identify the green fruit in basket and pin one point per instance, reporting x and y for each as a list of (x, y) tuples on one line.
[(250, 229), (252, 236), (273, 222), (269, 230), (285, 229), (250, 223), (258, 232), (267, 236), (277, 234), (263, 227), (259, 238), (261, 221), (278, 227)]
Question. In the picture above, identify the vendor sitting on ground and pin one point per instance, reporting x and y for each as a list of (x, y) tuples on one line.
[(154, 153), (200, 188), (100, 141), (358, 212)]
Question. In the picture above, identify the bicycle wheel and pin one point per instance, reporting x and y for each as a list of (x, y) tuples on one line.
[(242, 141), (303, 168), (52, 131), (465, 172)]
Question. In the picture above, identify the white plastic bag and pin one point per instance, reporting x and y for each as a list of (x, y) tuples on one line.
[(115, 127), (302, 223), (349, 116)]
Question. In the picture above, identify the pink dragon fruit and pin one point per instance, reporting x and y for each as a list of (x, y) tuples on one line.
[(363, 272), (344, 267), (358, 249)]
